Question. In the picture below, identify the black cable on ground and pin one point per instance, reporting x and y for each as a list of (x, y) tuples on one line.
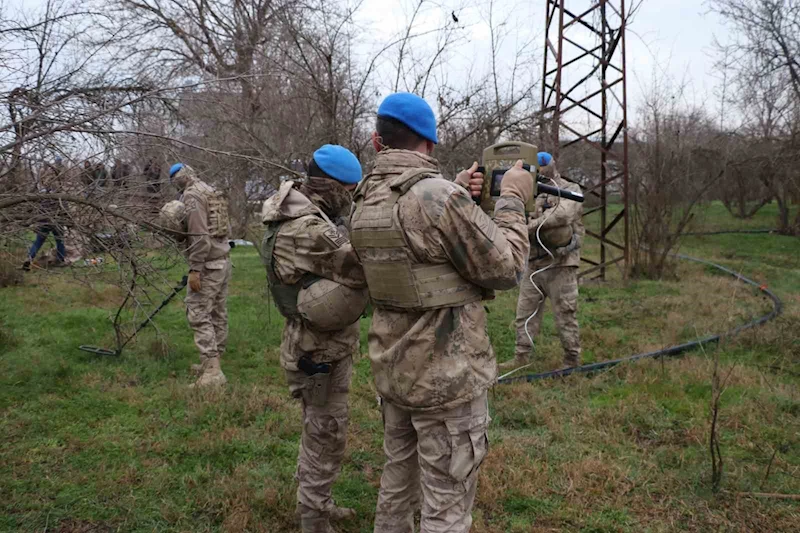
[(777, 307), (727, 232)]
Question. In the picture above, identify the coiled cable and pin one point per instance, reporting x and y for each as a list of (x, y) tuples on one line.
[(777, 308)]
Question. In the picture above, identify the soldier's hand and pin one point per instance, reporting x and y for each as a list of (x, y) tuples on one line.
[(194, 281), (518, 182), (471, 180), (533, 225)]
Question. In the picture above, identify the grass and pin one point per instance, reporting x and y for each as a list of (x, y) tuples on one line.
[(121, 444)]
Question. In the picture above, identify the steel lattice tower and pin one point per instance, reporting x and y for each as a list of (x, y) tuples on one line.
[(584, 101)]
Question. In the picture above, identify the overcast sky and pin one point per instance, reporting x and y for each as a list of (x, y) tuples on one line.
[(672, 38), (669, 38)]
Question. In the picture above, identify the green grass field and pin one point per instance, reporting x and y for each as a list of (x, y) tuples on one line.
[(121, 444)]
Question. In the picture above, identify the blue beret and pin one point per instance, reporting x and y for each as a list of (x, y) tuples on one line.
[(412, 111), (544, 158), (174, 169), (339, 163)]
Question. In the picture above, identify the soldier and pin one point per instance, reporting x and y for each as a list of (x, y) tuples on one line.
[(430, 256), (560, 229), (319, 286), (209, 270)]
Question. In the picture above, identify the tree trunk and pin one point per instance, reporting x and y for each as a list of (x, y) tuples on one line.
[(783, 216)]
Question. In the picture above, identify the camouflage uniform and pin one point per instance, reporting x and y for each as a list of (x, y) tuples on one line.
[(306, 244), (207, 253), (559, 282), (433, 366)]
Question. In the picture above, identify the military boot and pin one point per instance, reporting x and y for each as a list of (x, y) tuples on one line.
[(212, 374), (316, 524), (512, 364), (342, 513), (197, 369)]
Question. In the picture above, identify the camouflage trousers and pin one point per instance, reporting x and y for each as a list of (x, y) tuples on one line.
[(437, 456), (206, 309), (323, 441), (560, 284)]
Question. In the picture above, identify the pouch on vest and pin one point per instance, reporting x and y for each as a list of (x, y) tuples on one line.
[(218, 220)]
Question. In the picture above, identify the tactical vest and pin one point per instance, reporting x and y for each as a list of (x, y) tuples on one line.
[(218, 219), (395, 276), (284, 294)]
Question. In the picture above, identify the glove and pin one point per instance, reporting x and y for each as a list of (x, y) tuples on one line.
[(471, 180), (518, 182), (533, 224), (194, 281)]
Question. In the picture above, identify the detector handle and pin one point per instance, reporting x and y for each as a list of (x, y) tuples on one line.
[(541, 186), (555, 191)]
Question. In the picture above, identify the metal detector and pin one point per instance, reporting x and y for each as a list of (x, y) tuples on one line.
[(118, 351)]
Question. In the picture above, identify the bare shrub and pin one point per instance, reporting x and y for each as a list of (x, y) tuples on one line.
[(668, 179), (765, 48)]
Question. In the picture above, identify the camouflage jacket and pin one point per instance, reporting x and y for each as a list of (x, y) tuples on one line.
[(202, 247), (306, 243), (435, 360), (559, 213)]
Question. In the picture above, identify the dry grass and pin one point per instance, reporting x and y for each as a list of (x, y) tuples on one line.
[(102, 444)]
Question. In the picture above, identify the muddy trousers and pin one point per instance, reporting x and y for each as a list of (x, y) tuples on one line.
[(432, 459), (322, 444), (207, 311), (560, 284)]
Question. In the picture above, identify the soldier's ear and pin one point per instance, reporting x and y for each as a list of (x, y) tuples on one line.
[(377, 142)]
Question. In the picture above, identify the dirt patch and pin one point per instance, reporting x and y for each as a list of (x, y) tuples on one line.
[(72, 525)]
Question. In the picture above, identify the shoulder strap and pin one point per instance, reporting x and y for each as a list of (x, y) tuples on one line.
[(402, 183), (359, 192)]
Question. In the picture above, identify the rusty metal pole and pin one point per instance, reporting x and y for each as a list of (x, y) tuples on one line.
[(556, 140), (603, 140), (548, 18), (625, 177)]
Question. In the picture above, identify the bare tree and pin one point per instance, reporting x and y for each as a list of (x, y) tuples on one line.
[(765, 44), (58, 78), (243, 91), (667, 177), (61, 93)]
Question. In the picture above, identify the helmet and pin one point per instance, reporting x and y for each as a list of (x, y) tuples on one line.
[(330, 306), (173, 216), (556, 237)]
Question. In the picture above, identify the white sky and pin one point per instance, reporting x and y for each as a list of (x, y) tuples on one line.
[(673, 38), (670, 38)]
